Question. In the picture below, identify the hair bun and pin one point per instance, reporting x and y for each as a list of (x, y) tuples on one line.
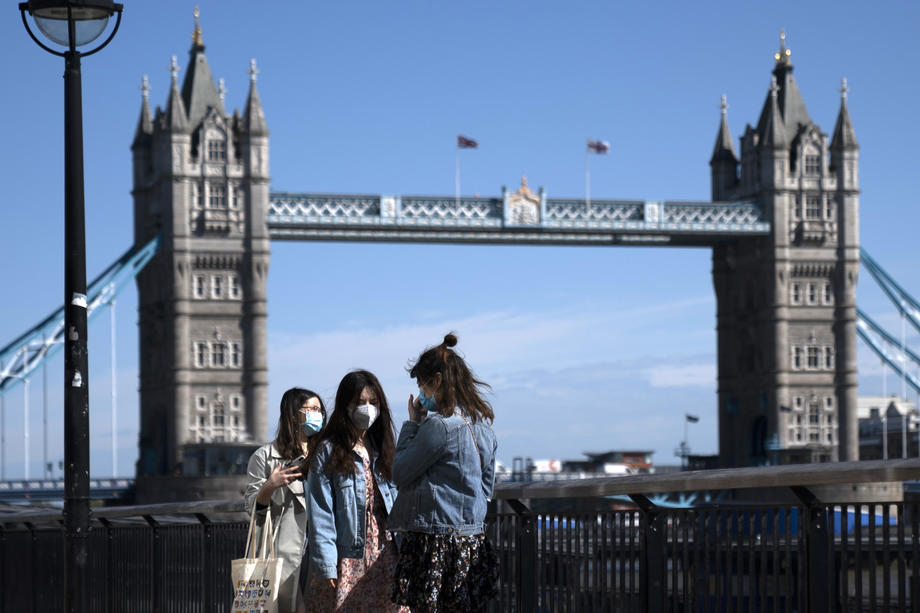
[(450, 340)]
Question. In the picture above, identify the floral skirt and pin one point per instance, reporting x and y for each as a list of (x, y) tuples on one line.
[(445, 573)]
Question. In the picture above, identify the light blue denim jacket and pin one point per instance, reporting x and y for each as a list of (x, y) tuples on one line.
[(443, 488), (338, 512)]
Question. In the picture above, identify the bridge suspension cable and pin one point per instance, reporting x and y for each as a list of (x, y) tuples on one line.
[(889, 351), (892, 351), (21, 357), (906, 304)]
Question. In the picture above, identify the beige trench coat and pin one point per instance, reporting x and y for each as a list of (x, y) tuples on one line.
[(289, 520)]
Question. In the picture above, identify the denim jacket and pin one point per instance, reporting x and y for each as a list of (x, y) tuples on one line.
[(338, 511), (443, 488)]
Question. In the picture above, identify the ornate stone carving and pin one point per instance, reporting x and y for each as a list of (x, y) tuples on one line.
[(388, 206), (524, 206)]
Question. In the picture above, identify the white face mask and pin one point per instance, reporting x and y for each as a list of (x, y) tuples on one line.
[(362, 416)]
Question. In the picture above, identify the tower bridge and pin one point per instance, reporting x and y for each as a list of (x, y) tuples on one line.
[(783, 227)]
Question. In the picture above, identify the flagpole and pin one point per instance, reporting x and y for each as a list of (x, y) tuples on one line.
[(457, 179), (587, 177)]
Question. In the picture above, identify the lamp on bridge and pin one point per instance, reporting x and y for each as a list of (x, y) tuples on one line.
[(73, 24)]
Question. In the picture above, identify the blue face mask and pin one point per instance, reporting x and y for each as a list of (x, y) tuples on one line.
[(313, 423), (427, 402)]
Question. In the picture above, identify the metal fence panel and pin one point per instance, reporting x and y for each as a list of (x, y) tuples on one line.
[(715, 559)]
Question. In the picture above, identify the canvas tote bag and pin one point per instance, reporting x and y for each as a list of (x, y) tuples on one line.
[(257, 575)]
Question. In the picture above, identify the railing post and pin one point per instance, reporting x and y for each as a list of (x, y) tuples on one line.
[(32, 575), (653, 557), (207, 570), (109, 581), (526, 598), (3, 582), (158, 573), (816, 544)]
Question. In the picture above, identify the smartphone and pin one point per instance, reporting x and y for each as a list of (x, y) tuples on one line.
[(295, 462)]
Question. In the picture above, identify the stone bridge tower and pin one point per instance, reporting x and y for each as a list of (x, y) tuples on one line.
[(786, 304), (201, 182)]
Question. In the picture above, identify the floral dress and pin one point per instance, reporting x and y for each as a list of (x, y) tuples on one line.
[(364, 584), (446, 573)]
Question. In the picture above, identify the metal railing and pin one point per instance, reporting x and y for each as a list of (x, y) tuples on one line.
[(807, 555)]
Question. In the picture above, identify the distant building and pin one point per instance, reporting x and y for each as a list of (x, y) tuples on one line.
[(702, 462), (891, 420), (637, 461), (608, 463)]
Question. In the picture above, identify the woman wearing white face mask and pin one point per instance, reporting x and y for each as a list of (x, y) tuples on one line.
[(350, 494), (276, 483)]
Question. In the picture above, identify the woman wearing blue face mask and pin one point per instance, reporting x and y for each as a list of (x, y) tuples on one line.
[(350, 494), (445, 470), (276, 483)]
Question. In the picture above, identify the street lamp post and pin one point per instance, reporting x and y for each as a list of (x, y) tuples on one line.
[(73, 24)]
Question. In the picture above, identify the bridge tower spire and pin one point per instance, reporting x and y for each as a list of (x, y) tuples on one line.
[(786, 302), (724, 161), (201, 183)]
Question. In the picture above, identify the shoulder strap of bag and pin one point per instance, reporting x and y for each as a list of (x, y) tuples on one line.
[(267, 550), (251, 535), (482, 464)]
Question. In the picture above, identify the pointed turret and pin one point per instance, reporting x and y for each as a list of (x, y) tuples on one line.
[(145, 121), (844, 136), (788, 97), (724, 162), (844, 149), (175, 118), (198, 90), (772, 130), (253, 118), (724, 150)]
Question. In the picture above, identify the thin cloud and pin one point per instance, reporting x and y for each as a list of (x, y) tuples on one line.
[(687, 375)]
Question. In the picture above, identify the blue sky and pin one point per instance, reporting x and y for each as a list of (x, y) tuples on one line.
[(586, 348)]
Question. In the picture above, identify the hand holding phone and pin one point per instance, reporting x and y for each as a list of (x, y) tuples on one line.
[(295, 462)]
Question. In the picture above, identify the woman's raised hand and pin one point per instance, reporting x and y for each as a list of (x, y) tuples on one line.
[(416, 412)]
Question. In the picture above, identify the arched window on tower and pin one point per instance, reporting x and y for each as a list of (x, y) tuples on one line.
[(217, 151), (218, 354), (812, 162), (218, 415), (197, 196), (814, 358), (216, 147), (201, 355), (217, 196), (812, 206), (236, 290)]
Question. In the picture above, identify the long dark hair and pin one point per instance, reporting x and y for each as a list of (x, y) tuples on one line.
[(286, 440), (459, 386), (342, 434)]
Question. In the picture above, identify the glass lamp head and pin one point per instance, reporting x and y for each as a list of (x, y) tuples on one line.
[(54, 18)]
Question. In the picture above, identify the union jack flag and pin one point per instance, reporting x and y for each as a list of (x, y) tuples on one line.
[(598, 146), (466, 143)]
